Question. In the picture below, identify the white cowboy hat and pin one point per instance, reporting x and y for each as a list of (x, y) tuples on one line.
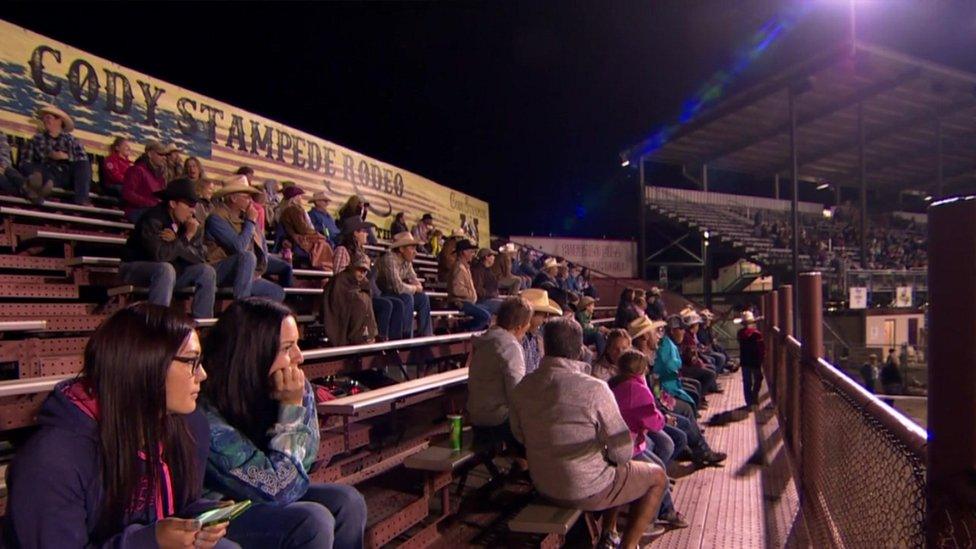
[(235, 184), (691, 318), (67, 124), (642, 325), (540, 302), (403, 239), (549, 263), (747, 318)]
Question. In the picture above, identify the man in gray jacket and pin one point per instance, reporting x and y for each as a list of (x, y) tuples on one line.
[(497, 366), (578, 447)]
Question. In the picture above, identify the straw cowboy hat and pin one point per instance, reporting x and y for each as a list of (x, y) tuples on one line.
[(235, 184), (550, 263), (540, 302), (642, 325), (747, 318), (403, 239), (67, 123), (320, 197), (691, 318), (170, 148)]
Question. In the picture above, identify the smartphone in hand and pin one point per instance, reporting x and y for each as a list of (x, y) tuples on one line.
[(223, 514)]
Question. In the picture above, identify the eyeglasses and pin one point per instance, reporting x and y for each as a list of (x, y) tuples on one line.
[(193, 362)]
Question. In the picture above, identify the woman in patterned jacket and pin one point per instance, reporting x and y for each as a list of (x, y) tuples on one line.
[(265, 435)]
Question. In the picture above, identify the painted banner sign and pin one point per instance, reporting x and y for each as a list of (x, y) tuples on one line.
[(858, 297), (107, 100), (616, 258)]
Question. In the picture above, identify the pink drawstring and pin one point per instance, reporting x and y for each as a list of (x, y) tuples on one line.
[(168, 482)]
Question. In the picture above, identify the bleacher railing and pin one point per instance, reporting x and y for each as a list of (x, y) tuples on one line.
[(859, 465)]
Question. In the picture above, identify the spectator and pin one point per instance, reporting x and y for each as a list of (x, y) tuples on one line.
[(508, 282), (205, 189), (435, 242), (400, 226), (78, 481), (247, 172), (461, 292), (298, 227), (752, 351), (485, 282), (578, 445), (261, 204), (592, 334), (193, 169), (165, 251), (891, 378), (264, 435), (347, 307), (605, 366), (397, 279), (542, 309), (497, 365), (114, 166), (321, 219), (667, 361), (710, 345), (655, 305), (55, 156), (387, 310), (355, 207), (626, 311), (271, 190), (238, 252), (421, 231), (869, 373), (692, 363), (636, 404), (447, 258), (546, 279), (14, 183), (143, 180), (174, 162)]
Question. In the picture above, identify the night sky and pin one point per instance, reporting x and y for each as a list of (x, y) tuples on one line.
[(526, 105)]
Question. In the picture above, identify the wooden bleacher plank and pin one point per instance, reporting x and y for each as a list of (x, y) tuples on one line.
[(44, 216), (351, 404), (67, 206)]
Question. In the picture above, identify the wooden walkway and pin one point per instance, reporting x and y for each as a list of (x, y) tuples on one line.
[(751, 501)]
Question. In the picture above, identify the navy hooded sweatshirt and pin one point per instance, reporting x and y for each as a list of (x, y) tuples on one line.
[(55, 485)]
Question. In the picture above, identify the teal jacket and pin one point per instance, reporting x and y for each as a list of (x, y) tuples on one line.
[(667, 362), (237, 469)]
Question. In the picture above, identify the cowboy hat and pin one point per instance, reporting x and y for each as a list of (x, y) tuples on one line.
[(485, 252), (235, 184), (292, 192), (464, 245), (156, 147), (692, 318), (707, 315), (181, 189), (403, 239), (360, 261), (170, 148), (540, 302), (67, 124), (642, 325), (549, 263), (320, 197), (352, 224), (747, 318), (585, 302), (507, 248), (675, 321)]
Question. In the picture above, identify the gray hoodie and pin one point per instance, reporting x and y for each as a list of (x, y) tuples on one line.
[(497, 365)]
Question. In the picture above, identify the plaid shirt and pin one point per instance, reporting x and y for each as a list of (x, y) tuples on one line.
[(5, 158), (42, 145)]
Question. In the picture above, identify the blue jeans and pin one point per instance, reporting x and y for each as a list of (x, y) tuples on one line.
[(719, 360), (751, 382), (415, 302), (161, 278), (679, 440), (238, 270), (662, 444), (389, 317), (73, 176), (491, 304), (480, 317), (649, 456), (12, 182), (596, 338), (328, 515), (282, 269)]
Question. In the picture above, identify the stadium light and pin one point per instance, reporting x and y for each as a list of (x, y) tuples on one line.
[(706, 235), (828, 213), (625, 163), (928, 198), (823, 186)]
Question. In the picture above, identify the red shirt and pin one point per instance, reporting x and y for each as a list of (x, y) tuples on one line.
[(113, 169)]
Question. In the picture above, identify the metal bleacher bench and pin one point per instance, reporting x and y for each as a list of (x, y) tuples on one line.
[(131, 289), (600, 321), (45, 216), (353, 404), (66, 206), (312, 273), (72, 237), (400, 344), (23, 326), (541, 518)]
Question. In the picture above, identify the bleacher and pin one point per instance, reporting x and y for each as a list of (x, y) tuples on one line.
[(59, 280)]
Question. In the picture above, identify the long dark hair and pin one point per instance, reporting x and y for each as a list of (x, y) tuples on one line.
[(238, 353), (351, 243), (126, 362)]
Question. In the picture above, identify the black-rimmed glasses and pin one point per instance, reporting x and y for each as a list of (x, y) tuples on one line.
[(192, 361)]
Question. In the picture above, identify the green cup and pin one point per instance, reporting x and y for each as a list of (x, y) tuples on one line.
[(455, 421)]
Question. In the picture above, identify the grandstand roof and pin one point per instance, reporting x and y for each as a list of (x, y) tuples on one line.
[(903, 99)]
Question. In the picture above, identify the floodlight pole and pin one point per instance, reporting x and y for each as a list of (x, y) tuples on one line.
[(776, 186), (642, 204), (795, 205), (940, 172), (862, 175)]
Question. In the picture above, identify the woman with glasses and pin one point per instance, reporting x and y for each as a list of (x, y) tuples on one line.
[(121, 450), (265, 434)]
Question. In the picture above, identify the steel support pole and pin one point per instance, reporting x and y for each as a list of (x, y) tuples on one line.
[(706, 273), (776, 186), (940, 171), (951, 371), (772, 321), (642, 206), (704, 177), (810, 398), (795, 205), (864, 185)]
